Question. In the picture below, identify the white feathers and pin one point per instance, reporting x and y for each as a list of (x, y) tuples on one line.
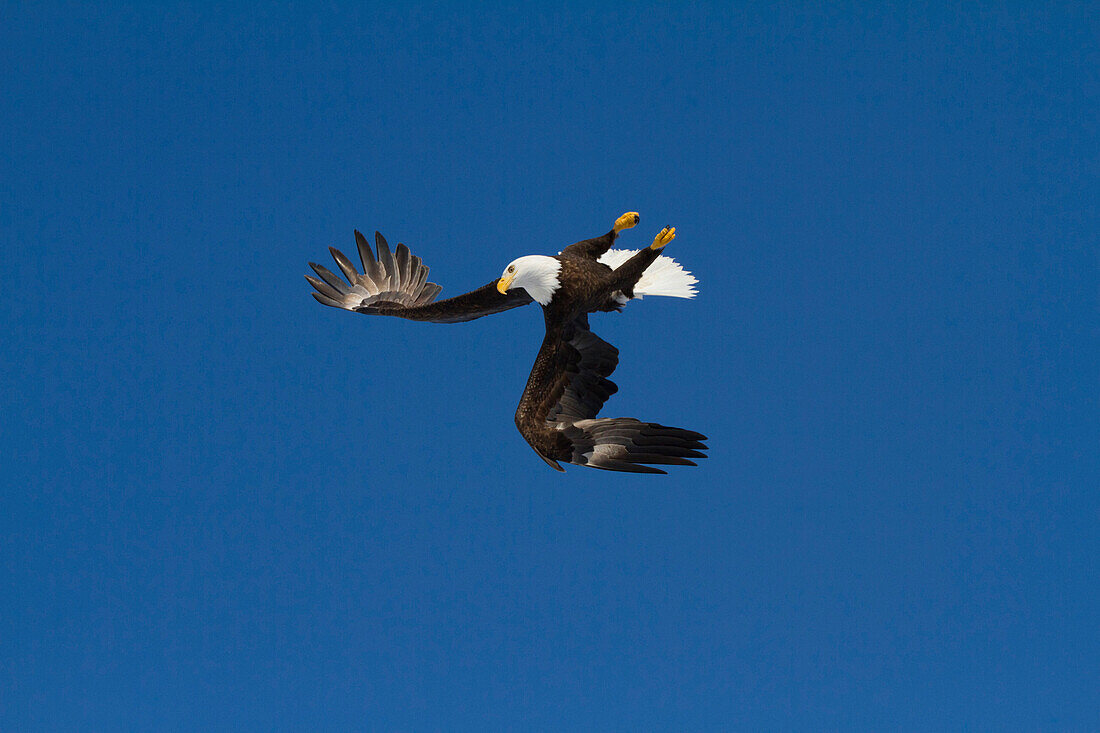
[(537, 274), (665, 276)]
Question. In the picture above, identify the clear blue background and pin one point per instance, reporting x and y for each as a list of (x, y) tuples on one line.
[(226, 507)]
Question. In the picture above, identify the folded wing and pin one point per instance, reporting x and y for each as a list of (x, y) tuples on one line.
[(567, 388)]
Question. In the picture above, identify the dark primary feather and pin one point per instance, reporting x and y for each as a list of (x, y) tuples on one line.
[(626, 444)]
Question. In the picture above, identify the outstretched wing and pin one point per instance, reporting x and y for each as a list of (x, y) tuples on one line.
[(396, 284), (567, 387)]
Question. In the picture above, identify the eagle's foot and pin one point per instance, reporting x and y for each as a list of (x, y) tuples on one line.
[(626, 221), (663, 237)]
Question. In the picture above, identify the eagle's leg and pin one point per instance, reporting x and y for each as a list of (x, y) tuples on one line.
[(626, 276), (626, 221), (594, 248), (663, 237)]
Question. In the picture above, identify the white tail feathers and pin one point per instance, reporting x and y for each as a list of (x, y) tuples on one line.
[(665, 276)]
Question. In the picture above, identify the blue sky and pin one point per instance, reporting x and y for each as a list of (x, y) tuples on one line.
[(227, 507)]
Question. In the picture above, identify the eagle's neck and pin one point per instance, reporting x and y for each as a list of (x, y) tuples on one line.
[(539, 276)]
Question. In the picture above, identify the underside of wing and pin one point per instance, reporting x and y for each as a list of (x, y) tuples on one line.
[(581, 384), (395, 283)]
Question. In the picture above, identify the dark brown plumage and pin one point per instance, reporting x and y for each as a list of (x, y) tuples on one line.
[(569, 382)]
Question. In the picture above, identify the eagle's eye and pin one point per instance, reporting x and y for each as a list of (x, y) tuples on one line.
[(511, 268)]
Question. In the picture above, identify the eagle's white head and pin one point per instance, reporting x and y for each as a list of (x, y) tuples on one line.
[(537, 274)]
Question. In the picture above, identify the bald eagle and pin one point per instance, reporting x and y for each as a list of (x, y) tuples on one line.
[(569, 382)]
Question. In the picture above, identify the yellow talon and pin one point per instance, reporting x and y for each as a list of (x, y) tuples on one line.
[(626, 221), (663, 237)]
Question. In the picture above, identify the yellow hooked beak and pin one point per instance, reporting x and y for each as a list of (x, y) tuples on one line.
[(505, 282)]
